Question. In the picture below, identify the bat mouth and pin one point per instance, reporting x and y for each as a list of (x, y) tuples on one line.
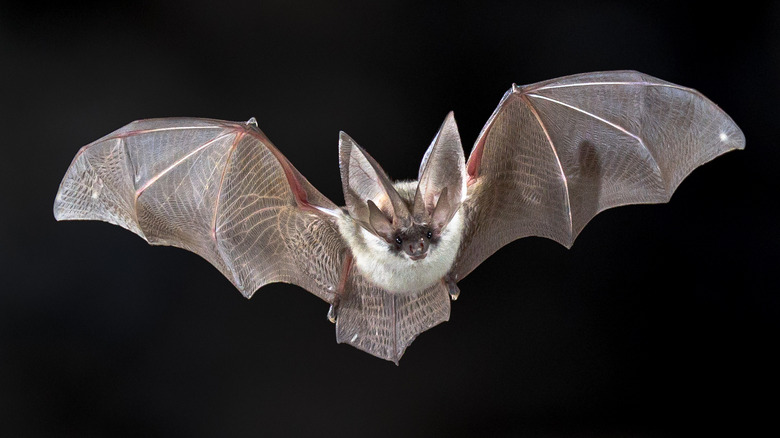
[(418, 257)]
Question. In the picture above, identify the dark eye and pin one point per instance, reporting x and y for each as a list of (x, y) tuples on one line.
[(429, 235), (398, 240)]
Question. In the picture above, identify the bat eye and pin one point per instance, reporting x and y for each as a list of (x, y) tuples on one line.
[(429, 235), (398, 240)]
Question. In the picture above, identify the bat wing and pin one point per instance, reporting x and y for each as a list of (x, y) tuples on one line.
[(219, 189), (556, 153), (222, 190)]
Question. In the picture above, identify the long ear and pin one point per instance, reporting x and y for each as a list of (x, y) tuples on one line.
[(364, 180), (443, 167)]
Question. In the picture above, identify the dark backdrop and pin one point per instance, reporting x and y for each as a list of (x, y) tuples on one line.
[(660, 321)]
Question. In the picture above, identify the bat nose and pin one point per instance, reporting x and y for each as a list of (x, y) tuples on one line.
[(417, 250)]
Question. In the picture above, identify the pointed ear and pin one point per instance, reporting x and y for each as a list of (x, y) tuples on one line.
[(442, 175), (364, 180)]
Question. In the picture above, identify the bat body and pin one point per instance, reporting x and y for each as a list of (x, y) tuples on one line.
[(392, 270), (551, 156)]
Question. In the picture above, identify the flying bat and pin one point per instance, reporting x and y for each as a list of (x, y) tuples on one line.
[(550, 157)]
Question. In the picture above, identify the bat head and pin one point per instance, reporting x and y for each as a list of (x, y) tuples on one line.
[(409, 216)]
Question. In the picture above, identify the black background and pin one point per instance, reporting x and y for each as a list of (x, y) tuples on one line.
[(662, 320)]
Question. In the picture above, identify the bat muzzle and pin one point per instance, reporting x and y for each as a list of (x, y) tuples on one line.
[(416, 250)]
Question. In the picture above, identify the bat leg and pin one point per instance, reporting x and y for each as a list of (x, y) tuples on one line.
[(452, 287), (341, 291)]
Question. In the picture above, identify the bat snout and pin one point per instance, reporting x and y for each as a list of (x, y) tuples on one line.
[(417, 250)]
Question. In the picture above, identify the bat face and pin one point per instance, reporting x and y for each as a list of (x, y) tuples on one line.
[(552, 156), (414, 241)]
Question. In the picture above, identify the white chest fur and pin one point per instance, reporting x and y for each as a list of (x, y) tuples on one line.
[(394, 271)]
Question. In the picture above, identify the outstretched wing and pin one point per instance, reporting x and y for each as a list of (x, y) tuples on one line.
[(219, 189), (556, 153)]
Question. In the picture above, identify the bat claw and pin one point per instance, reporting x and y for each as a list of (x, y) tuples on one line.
[(452, 288), (333, 310), (334, 306), (332, 314)]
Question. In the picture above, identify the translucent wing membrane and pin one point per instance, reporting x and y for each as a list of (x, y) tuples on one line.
[(556, 153), (219, 189), (384, 324)]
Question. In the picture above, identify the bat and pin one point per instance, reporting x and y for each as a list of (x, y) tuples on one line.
[(551, 156)]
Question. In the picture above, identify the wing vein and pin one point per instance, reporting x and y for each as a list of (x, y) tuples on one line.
[(131, 165), (605, 121), (154, 179), (557, 160), (219, 190), (595, 84), (170, 128), (225, 261)]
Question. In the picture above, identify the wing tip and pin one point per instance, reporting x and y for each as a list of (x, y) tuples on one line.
[(56, 207), (739, 142)]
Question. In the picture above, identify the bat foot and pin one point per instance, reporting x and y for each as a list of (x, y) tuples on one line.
[(452, 288), (346, 266), (333, 310), (332, 314)]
